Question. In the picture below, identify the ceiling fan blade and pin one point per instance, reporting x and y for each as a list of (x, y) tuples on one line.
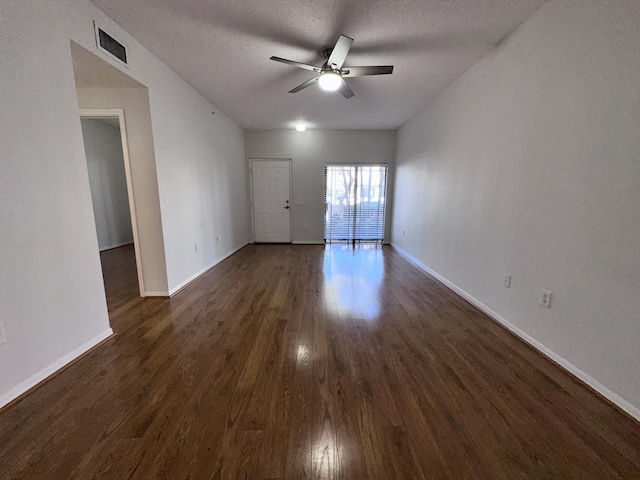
[(297, 64), (306, 84), (340, 51), (364, 71), (345, 90)]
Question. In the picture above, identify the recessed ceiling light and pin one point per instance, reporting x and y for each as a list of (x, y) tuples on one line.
[(330, 81), (300, 127)]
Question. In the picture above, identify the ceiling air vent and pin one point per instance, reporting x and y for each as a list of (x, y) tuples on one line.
[(110, 45)]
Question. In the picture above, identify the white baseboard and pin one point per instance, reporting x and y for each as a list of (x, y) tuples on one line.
[(102, 249), (151, 293), (32, 381), (547, 352), (180, 286)]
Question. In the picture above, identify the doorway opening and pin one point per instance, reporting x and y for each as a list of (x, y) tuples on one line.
[(104, 92), (355, 203), (109, 167)]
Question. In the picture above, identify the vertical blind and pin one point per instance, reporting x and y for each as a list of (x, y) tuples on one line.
[(355, 201)]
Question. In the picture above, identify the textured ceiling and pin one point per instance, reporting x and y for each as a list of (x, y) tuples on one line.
[(222, 48)]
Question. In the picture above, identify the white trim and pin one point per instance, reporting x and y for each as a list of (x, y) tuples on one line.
[(356, 164), (43, 374), (119, 113), (110, 247), (547, 352), (193, 277), (156, 294)]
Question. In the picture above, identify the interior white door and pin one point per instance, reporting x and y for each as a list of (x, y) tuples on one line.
[(271, 202)]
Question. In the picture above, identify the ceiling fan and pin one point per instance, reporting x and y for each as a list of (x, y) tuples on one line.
[(333, 73)]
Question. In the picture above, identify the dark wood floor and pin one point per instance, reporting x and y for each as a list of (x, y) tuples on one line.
[(295, 362)]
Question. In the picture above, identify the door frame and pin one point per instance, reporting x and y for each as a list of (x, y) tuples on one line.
[(119, 114), (253, 217)]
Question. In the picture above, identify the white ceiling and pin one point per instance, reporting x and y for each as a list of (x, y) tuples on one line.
[(222, 48)]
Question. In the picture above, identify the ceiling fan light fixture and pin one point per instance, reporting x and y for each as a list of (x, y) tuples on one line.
[(330, 81)]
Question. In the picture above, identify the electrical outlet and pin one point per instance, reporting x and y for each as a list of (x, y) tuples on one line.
[(3, 337), (196, 248), (507, 281), (545, 298), (218, 239), (305, 226)]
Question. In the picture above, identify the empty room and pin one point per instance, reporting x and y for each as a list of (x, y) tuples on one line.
[(320, 240)]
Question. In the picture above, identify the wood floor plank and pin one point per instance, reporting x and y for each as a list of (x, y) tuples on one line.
[(311, 362)]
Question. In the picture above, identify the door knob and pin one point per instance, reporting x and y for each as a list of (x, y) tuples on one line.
[(287, 206)]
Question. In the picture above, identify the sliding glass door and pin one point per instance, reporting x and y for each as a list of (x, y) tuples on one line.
[(355, 203)]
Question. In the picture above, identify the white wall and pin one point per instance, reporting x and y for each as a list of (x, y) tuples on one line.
[(103, 148), (310, 151), (51, 293), (202, 182), (529, 164), (199, 164)]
